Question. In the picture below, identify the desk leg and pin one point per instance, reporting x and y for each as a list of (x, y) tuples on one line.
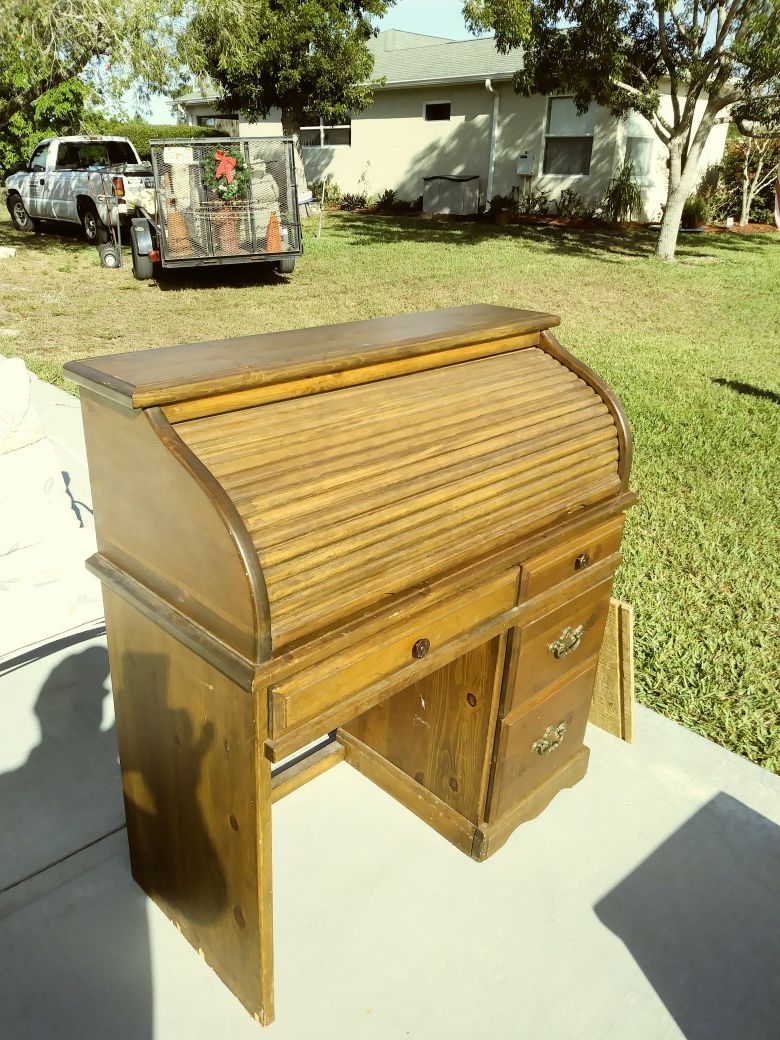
[(197, 795)]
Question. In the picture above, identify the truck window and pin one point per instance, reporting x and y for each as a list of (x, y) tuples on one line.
[(38, 161), (68, 157), (105, 153)]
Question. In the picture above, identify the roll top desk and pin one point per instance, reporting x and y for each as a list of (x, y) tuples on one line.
[(392, 540)]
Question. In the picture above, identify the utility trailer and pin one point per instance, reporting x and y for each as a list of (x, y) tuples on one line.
[(216, 201)]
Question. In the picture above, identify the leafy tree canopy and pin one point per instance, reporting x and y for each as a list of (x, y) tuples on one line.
[(307, 57), (110, 43)]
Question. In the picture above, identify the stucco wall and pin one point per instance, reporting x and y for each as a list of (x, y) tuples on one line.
[(394, 147)]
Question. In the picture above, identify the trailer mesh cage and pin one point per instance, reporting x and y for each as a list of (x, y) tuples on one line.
[(196, 224)]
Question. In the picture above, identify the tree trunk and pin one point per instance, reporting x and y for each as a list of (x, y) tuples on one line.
[(682, 178), (291, 125), (675, 200)]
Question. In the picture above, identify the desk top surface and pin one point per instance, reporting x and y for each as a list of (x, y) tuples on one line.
[(165, 375)]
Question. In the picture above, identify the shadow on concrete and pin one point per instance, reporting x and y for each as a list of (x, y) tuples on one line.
[(53, 804), (701, 917), (749, 389)]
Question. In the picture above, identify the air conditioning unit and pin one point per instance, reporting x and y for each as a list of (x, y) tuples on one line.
[(447, 193)]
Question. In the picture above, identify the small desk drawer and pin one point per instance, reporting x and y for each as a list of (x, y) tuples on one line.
[(316, 690), (558, 642), (540, 740), (572, 557)]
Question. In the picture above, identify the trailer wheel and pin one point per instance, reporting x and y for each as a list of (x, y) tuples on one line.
[(143, 268), (286, 266)]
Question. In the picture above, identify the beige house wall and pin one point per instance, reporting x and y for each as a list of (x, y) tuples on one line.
[(394, 147)]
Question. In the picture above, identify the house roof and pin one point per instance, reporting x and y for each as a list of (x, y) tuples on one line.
[(405, 59), (407, 63)]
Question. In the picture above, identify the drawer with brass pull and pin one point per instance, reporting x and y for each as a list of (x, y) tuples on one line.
[(423, 636), (574, 556), (548, 648), (534, 743)]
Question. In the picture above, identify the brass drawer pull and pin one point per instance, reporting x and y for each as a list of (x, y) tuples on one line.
[(421, 648), (567, 642), (550, 739), (582, 561)]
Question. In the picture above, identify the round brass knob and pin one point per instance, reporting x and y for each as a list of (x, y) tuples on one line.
[(421, 648), (582, 561)]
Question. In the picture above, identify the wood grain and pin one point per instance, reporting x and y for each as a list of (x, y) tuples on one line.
[(156, 377), (436, 730), (613, 691), (195, 798)]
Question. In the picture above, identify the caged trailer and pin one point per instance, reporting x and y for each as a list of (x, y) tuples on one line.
[(218, 201)]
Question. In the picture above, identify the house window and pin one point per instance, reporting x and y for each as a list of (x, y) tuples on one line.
[(217, 122), (326, 135), (569, 140), (437, 111), (640, 145)]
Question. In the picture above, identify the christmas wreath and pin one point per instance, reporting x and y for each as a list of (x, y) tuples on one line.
[(226, 174)]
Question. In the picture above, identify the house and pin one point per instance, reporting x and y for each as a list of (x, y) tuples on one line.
[(447, 107)]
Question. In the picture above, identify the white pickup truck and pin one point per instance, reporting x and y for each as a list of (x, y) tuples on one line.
[(67, 179)]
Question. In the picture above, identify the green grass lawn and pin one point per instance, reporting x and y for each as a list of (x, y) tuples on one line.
[(691, 348)]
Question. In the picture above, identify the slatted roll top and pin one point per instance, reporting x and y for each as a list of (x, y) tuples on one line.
[(378, 473), (354, 495)]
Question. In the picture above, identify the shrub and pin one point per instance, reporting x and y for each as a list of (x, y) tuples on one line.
[(332, 192), (387, 200), (534, 203), (622, 196), (695, 212), (141, 134), (353, 200), (570, 204), (503, 204)]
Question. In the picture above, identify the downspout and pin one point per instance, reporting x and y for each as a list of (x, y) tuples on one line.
[(493, 133)]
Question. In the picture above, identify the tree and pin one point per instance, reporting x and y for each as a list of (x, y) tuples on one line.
[(306, 57), (708, 55), (45, 44)]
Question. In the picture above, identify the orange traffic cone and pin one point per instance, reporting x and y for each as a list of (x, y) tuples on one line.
[(273, 239)]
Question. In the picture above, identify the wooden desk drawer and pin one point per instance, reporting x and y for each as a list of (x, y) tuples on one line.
[(556, 643), (572, 557), (539, 740), (316, 690)]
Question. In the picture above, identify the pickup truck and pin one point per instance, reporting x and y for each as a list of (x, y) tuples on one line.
[(67, 179)]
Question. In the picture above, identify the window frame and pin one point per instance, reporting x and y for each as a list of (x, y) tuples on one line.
[(322, 127), (440, 101), (642, 178), (563, 137)]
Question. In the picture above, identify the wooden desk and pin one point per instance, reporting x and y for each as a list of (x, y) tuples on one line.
[(399, 532)]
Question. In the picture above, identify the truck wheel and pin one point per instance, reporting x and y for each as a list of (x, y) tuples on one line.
[(286, 266), (95, 231), (143, 268), (20, 218)]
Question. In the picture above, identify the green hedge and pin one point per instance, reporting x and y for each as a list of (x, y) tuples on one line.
[(142, 133)]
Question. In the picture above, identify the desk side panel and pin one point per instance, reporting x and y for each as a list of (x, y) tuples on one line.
[(197, 798), (159, 523)]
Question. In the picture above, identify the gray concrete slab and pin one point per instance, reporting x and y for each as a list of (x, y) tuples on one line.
[(644, 903), (60, 415)]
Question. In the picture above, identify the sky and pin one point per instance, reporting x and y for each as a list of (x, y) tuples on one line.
[(437, 17)]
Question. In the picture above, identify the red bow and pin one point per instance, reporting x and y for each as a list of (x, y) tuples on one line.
[(226, 166)]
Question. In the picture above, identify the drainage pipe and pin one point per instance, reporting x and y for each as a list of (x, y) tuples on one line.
[(493, 134)]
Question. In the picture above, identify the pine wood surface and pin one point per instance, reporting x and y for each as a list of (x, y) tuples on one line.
[(353, 495), (158, 377)]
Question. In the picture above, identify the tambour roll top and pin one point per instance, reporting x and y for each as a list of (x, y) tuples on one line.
[(356, 467)]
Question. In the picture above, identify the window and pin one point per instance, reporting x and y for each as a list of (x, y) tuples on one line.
[(221, 121), (326, 135), (569, 140), (640, 145), (38, 161), (437, 111)]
